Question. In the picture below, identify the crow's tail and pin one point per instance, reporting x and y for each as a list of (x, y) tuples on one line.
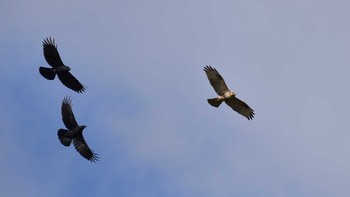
[(47, 73), (62, 137)]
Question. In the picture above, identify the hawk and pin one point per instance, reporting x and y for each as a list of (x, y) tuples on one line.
[(58, 68), (226, 95), (74, 132)]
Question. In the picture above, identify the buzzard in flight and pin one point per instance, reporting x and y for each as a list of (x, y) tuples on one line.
[(74, 132), (226, 95), (54, 60)]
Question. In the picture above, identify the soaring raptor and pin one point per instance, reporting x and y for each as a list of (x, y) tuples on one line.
[(58, 68), (225, 94), (74, 132)]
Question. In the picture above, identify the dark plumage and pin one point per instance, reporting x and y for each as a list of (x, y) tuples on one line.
[(226, 95), (58, 68), (74, 132)]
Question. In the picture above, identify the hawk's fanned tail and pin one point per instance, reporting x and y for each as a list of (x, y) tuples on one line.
[(215, 102)]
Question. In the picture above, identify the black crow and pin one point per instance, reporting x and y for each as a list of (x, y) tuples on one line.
[(74, 132), (53, 59)]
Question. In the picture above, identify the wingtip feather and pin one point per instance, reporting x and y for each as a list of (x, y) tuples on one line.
[(49, 41), (67, 100), (209, 68), (94, 157)]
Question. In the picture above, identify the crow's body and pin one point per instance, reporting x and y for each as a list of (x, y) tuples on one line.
[(58, 68), (74, 132)]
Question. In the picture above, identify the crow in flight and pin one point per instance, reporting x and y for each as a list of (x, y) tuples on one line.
[(74, 132), (53, 59)]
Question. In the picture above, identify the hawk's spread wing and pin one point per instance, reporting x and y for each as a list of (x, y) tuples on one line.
[(67, 113), (51, 54), (240, 107), (71, 82), (82, 147), (216, 80)]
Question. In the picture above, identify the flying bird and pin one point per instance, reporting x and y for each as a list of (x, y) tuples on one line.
[(58, 68), (74, 132), (225, 94)]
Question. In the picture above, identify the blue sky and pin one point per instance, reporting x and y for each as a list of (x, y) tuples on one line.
[(145, 106)]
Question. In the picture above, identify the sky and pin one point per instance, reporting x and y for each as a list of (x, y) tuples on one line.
[(146, 107)]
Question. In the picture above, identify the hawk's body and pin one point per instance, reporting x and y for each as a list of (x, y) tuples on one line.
[(58, 68), (74, 132), (226, 95)]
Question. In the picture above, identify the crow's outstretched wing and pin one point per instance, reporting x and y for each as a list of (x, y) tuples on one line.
[(71, 82), (240, 107), (82, 147), (67, 113), (51, 54), (216, 80)]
